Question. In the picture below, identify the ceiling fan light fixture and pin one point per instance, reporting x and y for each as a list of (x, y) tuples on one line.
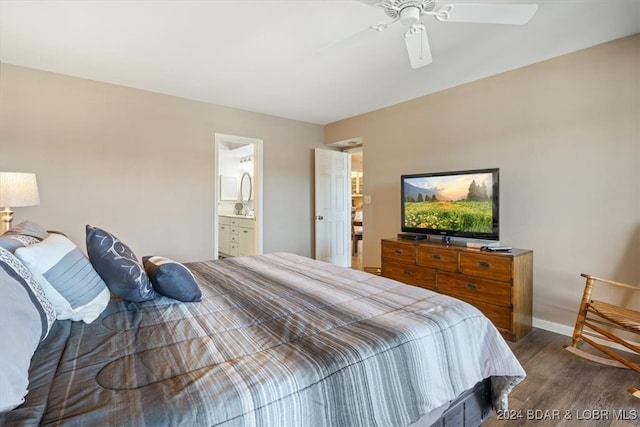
[(410, 16)]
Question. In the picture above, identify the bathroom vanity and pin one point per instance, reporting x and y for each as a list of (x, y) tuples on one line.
[(236, 235)]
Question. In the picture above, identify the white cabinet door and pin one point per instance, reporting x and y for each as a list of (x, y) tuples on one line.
[(223, 238), (246, 244), (233, 249)]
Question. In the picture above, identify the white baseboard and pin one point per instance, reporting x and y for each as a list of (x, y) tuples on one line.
[(558, 328), (566, 330)]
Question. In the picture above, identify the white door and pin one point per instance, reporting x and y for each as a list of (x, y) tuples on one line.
[(333, 207)]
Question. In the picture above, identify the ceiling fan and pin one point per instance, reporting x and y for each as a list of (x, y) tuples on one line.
[(410, 13)]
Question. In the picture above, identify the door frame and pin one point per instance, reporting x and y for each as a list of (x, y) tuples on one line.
[(257, 179)]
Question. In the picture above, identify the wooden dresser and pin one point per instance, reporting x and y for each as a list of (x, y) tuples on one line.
[(498, 283)]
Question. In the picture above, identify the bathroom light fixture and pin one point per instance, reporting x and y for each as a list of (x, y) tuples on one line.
[(246, 163)]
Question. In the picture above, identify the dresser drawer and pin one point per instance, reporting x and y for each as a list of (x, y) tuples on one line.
[(475, 289), (439, 258), (493, 266), (399, 252), (500, 317), (498, 284), (410, 274), (246, 223)]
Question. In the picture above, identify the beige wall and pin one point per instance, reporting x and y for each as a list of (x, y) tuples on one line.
[(566, 138), (564, 133), (141, 164)]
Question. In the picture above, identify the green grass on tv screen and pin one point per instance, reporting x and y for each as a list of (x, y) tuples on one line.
[(462, 215)]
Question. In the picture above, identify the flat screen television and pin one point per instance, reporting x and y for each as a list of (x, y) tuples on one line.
[(458, 204)]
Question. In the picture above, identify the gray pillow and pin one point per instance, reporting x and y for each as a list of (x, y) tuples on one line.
[(118, 266), (28, 228), (172, 279), (26, 316)]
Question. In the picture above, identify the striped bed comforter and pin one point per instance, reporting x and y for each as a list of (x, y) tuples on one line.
[(277, 340)]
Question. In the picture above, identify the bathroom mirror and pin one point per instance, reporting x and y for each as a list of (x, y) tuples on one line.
[(245, 187)]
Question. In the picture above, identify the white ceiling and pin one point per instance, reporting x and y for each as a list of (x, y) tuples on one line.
[(316, 61)]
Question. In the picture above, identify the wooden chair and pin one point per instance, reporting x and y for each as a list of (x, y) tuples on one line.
[(355, 234), (601, 321)]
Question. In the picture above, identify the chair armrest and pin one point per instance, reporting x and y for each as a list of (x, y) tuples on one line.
[(611, 282)]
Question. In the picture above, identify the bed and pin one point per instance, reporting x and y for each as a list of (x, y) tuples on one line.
[(276, 340)]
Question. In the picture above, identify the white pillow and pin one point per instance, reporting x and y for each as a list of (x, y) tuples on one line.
[(69, 280)]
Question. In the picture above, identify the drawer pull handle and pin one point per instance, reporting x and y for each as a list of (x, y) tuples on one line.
[(398, 251), (484, 264), (436, 257), (407, 272), (471, 286)]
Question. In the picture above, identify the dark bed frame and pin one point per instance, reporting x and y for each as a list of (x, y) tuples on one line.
[(471, 409)]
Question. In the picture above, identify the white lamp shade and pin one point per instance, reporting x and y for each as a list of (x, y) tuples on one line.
[(18, 189)]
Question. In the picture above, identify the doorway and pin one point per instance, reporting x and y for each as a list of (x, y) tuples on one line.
[(238, 172), (357, 181)]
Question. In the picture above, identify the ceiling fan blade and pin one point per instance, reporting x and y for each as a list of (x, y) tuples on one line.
[(418, 46), (489, 13)]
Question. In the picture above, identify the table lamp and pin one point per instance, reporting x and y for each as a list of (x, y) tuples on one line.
[(16, 190)]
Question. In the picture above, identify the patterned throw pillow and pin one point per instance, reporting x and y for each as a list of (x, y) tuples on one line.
[(172, 279), (118, 266), (71, 284), (26, 316)]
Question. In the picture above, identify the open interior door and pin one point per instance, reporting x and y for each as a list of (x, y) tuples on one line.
[(332, 207)]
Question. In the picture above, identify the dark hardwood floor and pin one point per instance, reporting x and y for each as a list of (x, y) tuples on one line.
[(562, 389)]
